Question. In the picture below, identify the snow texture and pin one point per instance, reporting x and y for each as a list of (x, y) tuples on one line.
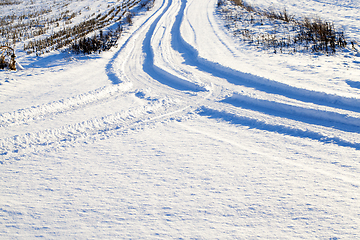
[(183, 131)]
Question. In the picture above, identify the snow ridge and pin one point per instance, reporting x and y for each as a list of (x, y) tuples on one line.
[(237, 119), (155, 71), (15, 146), (260, 95), (191, 56), (22, 116)]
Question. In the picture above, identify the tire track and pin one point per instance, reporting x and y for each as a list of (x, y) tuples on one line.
[(192, 58), (340, 175), (327, 110), (89, 130), (158, 73), (22, 116), (319, 109), (313, 133), (275, 100), (315, 116)]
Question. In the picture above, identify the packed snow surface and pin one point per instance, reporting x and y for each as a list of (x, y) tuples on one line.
[(183, 131)]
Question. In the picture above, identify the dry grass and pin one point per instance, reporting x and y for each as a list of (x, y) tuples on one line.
[(7, 58), (105, 40), (312, 34), (8, 2), (41, 33)]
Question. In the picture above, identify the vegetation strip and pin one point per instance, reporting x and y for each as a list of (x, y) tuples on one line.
[(281, 31), (41, 33)]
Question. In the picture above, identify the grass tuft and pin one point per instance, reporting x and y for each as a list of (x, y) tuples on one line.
[(312, 34), (41, 32), (7, 58)]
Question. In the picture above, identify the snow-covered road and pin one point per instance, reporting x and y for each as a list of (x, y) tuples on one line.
[(182, 131)]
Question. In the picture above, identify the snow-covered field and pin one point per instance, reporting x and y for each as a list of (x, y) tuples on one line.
[(183, 131)]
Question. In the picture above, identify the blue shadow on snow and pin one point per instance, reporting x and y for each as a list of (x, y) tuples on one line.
[(256, 124)]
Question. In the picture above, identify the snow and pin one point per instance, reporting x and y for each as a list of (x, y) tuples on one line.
[(183, 131)]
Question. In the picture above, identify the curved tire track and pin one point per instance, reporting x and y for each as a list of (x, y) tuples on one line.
[(324, 111), (22, 116), (192, 58), (140, 66)]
